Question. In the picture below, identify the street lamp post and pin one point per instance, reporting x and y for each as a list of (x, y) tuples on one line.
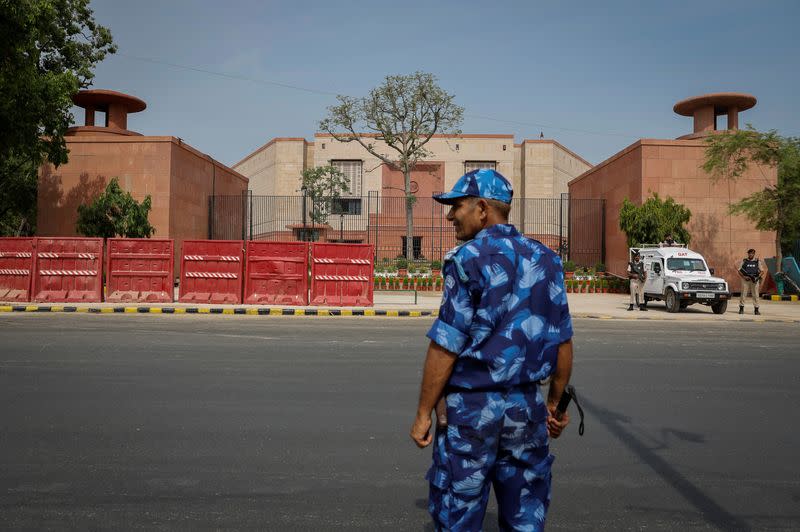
[(341, 227)]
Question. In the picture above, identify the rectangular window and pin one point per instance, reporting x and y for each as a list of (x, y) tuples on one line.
[(353, 172), (350, 202), (477, 165), (417, 251), (346, 206)]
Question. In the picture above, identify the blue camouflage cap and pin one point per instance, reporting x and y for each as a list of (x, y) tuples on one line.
[(483, 183)]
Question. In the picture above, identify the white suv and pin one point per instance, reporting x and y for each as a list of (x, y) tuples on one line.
[(681, 277)]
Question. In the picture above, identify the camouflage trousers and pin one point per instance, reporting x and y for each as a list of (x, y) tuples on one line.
[(492, 438)]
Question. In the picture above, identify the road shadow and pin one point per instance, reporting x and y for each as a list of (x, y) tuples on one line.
[(620, 426)]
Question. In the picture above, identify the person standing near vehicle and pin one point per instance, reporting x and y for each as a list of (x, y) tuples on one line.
[(637, 275), (751, 273), (503, 326)]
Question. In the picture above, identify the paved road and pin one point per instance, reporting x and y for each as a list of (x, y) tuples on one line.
[(191, 423)]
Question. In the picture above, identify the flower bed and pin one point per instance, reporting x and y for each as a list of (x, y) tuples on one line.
[(421, 283)]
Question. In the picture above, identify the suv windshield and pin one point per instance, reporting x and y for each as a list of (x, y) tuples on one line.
[(689, 265)]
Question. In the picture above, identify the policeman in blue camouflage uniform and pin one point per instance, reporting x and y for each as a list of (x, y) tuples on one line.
[(503, 326)]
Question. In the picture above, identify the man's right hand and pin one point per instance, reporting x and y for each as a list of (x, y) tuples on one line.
[(421, 430)]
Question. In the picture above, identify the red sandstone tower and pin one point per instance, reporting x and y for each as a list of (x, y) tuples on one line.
[(706, 108), (673, 168), (179, 178), (116, 105)]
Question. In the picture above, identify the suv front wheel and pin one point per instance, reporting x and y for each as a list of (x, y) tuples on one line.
[(672, 301), (720, 307)]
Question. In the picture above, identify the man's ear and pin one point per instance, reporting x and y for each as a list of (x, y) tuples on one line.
[(483, 205)]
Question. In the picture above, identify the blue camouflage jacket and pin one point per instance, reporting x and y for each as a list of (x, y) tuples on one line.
[(504, 310)]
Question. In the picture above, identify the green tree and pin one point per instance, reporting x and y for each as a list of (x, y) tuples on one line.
[(404, 112), (775, 207), (652, 221), (48, 49), (324, 185), (18, 196), (115, 213)]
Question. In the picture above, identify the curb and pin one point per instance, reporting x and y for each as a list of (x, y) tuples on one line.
[(792, 298), (679, 320), (263, 311), (309, 312)]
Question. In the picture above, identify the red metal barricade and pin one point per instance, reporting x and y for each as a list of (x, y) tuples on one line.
[(16, 268), (276, 273), (211, 271), (139, 270), (68, 270), (341, 274)]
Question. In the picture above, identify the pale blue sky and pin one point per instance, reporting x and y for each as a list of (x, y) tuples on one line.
[(595, 76)]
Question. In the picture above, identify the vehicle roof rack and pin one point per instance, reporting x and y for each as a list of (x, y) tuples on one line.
[(651, 246)]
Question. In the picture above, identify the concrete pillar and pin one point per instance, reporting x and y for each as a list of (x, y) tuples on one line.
[(704, 119), (733, 118), (117, 116)]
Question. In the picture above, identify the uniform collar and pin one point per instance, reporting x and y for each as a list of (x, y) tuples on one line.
[(497, 231)]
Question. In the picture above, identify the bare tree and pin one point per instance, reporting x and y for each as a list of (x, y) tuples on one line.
[(404, 113)]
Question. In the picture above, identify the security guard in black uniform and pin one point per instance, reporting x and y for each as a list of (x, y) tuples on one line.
[(637, 275), (751, 274)]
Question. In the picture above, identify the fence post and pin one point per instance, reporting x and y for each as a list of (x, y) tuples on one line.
[(569, 228), (244, 214), (303, 236), (430, 233), (250, 213)]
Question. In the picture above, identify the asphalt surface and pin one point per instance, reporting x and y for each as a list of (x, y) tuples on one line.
[(222, 422)]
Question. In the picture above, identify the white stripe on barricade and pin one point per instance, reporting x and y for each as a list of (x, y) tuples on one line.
[(224, 258), (14, 254), (14, 272), (81, 273), (211, 275), (342, 261), (48, 255), (341, 278)]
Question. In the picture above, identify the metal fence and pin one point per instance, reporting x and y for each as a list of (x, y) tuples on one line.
[(572, 227)]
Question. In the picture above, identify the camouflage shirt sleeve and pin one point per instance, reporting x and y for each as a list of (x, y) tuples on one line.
[(457, 311)]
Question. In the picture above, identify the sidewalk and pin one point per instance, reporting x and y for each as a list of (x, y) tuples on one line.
[(615, 306), (426, 304)]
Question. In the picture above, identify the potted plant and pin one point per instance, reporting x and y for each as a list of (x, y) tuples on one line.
[(436, 268), (569, 269), (600, 267), (402, 267)]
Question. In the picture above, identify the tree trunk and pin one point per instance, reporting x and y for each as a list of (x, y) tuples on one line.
[(778, 253), (409, 251)]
